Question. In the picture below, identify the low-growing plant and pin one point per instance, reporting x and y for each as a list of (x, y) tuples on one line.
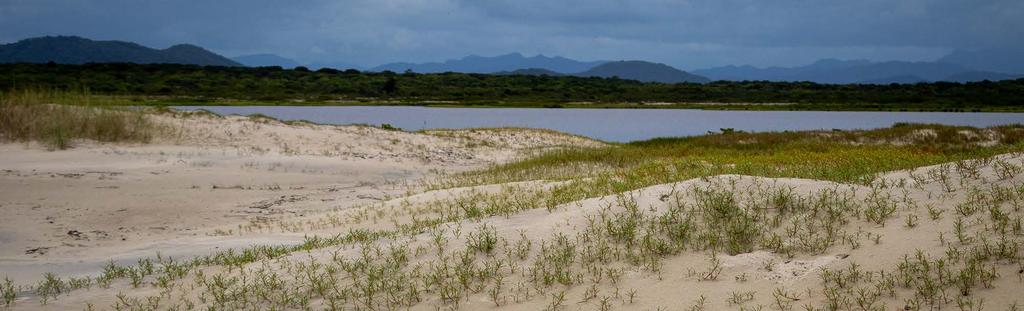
[(484, 241), (7, 291), (739, 298), (50, 287)]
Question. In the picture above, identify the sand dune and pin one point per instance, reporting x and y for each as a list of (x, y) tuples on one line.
[(189, 190), (941, 236)]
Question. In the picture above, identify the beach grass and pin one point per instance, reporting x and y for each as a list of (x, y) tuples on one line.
[(58, 118)]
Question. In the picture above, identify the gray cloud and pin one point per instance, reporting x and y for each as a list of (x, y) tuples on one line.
[(684, 33)]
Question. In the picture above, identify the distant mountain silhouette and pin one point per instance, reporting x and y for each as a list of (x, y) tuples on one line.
[(630, 70), (743, 73), (854, 71), (265, 60), (994, 60), (924, 71), (78, 50), (804, 73), (974, 76), (958, 66), (482, 64), (531, 72), (642, 71)]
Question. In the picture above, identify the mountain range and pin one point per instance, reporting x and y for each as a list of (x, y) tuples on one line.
[(482, 64), (78, 50), (517, 64), (958, 66), (858, 71), (630, 70)]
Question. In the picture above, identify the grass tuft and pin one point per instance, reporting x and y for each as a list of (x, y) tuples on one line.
[(57, 118)]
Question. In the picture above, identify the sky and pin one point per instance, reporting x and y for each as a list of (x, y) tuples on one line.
[(689, 34)]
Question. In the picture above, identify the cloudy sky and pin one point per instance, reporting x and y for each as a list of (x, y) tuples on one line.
[(688, 34)]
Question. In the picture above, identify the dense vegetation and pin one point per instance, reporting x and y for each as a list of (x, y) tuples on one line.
[(156, 84)]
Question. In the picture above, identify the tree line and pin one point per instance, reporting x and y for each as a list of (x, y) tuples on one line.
[(274, 84)]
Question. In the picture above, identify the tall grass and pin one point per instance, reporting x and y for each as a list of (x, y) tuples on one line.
[(58, 118)]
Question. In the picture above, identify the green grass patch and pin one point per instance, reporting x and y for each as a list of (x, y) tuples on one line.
[(841, 156)]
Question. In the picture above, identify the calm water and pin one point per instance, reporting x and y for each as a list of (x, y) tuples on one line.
[(619, 125)]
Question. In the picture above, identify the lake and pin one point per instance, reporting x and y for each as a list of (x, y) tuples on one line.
[(619, 125)]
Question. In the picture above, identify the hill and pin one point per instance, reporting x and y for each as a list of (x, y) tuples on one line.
[(78, 50), (642, 71)]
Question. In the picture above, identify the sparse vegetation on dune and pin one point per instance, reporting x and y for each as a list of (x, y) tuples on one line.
[(57, 118), (913, 217), (597, 262)]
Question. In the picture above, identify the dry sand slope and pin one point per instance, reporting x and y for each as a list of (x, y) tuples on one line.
[(71, 211), (940, 237)]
